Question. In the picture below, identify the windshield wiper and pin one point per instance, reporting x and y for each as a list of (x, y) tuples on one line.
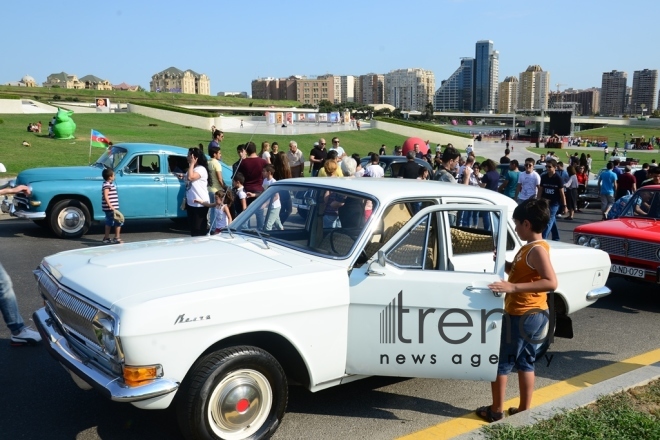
[(256, 231)]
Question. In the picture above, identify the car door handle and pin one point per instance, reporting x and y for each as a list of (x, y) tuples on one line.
[(479, 289), (157, 179)]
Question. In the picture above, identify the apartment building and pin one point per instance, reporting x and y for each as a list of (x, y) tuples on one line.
[(409, 89), (613, 93), (534, 87), (313, 90), (508, 95), (455, 93), (372, 89), (645, 84)]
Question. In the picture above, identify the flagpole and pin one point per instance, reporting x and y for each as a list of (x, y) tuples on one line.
[(89, 159)]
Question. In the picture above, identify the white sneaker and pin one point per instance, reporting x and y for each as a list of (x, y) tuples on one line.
[(559, 216), (26, 336)]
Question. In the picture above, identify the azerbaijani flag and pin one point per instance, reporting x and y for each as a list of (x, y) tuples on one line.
[(98, 140)]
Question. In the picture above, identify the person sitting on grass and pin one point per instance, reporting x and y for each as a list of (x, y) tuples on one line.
[(524, 325)]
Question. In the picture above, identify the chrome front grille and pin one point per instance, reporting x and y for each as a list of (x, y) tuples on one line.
[(76, 315), (640, 250)]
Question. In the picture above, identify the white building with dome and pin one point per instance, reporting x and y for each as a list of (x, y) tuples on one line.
[(26, 81)]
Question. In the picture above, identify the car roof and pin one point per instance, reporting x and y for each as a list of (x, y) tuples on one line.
[(144, 147), (387, 190)]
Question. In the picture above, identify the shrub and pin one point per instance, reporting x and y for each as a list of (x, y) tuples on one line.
[(420, 126), (56, 97), (173, 108)]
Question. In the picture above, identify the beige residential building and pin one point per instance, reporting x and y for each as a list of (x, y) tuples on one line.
[(508, 95), (173, 80), (64, 81), (26, 81), (125, 87), (409, 89), (348, 88), (313, 90), (95, 83), (534, 87)]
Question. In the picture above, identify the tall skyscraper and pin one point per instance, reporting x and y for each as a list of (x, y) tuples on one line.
[(507, 99), (486, 77), (613, 93), (645, 83), (534, 88), (455, 93), (372, 89), (409, 89)]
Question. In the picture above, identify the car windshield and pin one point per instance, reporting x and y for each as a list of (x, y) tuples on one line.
[(111, 157), (314, 219), (645, 203)]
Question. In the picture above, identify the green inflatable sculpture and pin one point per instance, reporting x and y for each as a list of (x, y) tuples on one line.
[(64, 127)]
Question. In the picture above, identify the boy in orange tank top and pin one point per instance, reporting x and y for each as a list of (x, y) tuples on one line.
[(531, 277)]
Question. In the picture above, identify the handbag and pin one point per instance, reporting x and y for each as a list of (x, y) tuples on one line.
[(118, 216)]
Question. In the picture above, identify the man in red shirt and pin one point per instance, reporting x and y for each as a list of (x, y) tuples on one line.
[(251, 168), (627, 182)]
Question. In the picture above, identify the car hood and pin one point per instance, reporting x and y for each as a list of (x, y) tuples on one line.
[(149, 270), (58, 173), (626, 227)]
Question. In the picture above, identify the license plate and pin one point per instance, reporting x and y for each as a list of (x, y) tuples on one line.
[(629, 271)]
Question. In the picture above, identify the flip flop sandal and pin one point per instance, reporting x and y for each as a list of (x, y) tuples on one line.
[(513, 411), (488, 415)]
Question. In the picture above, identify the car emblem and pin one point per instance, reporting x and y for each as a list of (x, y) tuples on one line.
[(625, 247)]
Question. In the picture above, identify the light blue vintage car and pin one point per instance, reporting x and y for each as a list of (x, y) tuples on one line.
[(68, 199)]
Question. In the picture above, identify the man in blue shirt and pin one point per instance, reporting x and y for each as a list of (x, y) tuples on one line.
[(607, 188), (616, 169)]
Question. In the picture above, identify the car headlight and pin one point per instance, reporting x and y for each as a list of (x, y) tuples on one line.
[(582, 240), (594, 243), (105, 333)]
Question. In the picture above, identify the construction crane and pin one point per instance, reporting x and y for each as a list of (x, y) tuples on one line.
[(559, 85)]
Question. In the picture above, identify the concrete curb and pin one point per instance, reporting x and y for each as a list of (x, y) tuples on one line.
[(632, 379)]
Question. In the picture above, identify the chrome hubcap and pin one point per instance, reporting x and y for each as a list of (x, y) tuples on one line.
[(239, 405), (71, 219)]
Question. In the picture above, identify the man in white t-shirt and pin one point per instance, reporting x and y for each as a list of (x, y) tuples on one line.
[(335, 146), (374, 169), (528, 182)]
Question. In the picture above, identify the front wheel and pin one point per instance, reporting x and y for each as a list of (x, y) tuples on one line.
[(234, 393), (69, 218)]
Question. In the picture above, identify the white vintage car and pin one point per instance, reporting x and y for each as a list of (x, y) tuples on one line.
[(383, 277)]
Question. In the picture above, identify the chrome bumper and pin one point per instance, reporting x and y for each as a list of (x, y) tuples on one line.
[(599, 292), (111, 387), (8, 207)]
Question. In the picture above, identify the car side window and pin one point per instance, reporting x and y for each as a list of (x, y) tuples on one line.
[(144, 164), (417, 249), (395, 217), (477, 223), (177, 164)]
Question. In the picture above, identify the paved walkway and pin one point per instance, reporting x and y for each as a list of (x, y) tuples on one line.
[(261, 127)]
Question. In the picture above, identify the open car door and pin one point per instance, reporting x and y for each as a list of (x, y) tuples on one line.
[(412, 314)]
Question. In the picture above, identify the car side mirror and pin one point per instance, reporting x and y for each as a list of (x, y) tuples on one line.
[(381, 258)]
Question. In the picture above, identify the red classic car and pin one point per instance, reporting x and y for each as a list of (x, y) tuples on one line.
[(632, 239)]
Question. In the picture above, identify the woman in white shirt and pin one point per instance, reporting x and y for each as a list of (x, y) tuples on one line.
[(265, 152), (197, 178), (571, 192)]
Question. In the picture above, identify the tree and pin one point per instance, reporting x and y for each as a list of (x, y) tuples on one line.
[(141, 89), (429, 111), (325, 106), (397, 113)]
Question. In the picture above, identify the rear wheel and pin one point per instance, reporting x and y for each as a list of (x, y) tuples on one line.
[(234, 393), (69, 218)]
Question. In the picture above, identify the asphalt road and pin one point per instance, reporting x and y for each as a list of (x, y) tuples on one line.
[(39, 400)]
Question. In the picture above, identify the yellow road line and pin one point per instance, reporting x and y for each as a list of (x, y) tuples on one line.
[(469, 422)]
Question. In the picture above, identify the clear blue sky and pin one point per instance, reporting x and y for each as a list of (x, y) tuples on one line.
[(234, 42)]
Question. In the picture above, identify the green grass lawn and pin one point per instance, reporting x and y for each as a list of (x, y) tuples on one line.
[(629, 415), (618, 133), (46, 94), (128, 127)]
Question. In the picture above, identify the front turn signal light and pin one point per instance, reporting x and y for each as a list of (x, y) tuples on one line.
[(137, 375)]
